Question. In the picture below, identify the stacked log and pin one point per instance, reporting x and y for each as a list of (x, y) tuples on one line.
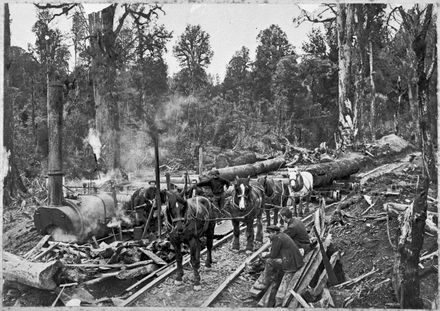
[(252, 170)]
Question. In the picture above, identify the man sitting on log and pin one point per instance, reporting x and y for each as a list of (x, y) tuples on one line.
[(216, 183), (296, 230), (284, 256)]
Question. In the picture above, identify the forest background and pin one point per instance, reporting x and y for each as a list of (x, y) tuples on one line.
[(356, 78)]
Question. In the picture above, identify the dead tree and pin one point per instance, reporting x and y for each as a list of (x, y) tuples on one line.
[(406, 280), (12, 183)]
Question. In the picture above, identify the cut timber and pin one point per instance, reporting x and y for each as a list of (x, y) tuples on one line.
[(154, 257), (325, 173), (307, 274), (299, 298), (37, 247), (35, 274), (322, 281), (252, 170), (132, 273)]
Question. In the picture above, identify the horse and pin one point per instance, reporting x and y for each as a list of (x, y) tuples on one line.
[(245, 204), (187, 221), (142, 201), (301, 186), (277, 195)]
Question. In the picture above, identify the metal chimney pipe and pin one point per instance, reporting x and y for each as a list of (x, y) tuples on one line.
[(55, 127)]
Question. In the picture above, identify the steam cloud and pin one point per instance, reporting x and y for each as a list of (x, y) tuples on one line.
[(93, 140)]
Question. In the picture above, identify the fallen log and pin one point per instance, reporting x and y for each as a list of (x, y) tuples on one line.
[(251, 170), (35, 274), (326, 173)]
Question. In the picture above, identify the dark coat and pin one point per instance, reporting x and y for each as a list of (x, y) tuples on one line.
[(298, 233), (283, 247), (216, 184)]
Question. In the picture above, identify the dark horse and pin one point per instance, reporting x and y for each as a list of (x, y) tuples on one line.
[(277, 195), (187, 221), (245, 205), (142, 201)]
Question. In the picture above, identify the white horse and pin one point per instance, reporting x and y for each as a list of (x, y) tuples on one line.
[(300, 186)]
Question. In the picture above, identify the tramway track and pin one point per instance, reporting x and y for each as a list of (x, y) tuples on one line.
[(162, 292)]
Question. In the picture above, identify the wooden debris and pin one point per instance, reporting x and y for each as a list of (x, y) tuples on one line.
[(100, 278), (153, 256), (429, 256), (132, 273), (322, 281), (58, 297), (37, 247), (45, 252), (301, 300), (35, 274), (357, 280)]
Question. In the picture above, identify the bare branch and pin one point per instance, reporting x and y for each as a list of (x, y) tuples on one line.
[(65, 8)]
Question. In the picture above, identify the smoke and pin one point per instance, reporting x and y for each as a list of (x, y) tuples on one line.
[(4, 157), (93, 140), (59, 235)]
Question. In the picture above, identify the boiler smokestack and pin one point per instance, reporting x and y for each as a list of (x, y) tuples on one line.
[(55, 128)]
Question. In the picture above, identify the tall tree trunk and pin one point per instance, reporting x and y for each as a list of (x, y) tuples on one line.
[(102, 41), (405, 279), (346, 125), (413, 106), (407, 283), (12, 181), (373, 95)]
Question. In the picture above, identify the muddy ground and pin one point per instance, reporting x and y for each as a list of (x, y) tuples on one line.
[(364, 242)]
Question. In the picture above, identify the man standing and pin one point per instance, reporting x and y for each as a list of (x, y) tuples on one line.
[(284, 257), (216, 183), (296, 229)]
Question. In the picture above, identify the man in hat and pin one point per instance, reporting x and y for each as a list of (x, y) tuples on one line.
[(217, 184), (284, 257), (295, 229)]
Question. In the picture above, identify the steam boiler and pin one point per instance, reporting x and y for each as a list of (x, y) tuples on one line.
[(82, 218)]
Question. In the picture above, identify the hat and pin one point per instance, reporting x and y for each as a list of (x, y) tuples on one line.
[(286, 212), (272, 228)]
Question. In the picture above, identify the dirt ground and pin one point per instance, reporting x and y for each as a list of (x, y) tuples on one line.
[(364, 242)]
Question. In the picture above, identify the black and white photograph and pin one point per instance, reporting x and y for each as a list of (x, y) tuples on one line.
[(219, 154)]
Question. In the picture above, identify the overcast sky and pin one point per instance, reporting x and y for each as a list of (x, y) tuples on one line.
[(230, 26)]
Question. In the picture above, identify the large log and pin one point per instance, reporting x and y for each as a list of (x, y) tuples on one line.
[(35, 274), (325, 173), (252, 170)]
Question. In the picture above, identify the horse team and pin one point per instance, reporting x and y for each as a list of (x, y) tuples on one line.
[(187, 220)]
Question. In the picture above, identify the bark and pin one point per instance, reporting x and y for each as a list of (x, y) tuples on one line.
[(346, 125), (373, 95), (412, 98), (35, 274), (12, 182), (325, 173), (252, 170), (405, 279), (102, 42)]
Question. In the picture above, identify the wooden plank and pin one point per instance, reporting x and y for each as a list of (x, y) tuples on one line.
[(232, 276), (322, 281), (299, 298), (115, 265), (331, 274), (154, 257), (257, 292), (44, 252), (37, 247), (308, 274), (265, 299)]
